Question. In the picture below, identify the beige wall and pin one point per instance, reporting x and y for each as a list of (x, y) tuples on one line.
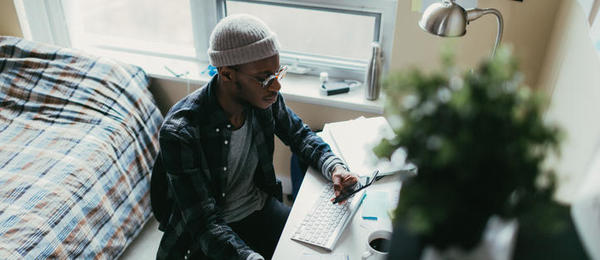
[(9, 23), (571, 75), (166, 92), (527, 27)]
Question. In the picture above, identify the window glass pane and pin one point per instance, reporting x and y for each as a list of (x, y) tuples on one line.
[(314, 31), (150, 25)]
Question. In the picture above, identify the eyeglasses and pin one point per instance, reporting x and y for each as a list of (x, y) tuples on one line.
[(279, 75), (370, 180)]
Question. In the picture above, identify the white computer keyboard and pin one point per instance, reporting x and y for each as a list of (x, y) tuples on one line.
[(326, 221)]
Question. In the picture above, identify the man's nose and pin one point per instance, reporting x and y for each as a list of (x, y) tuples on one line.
[(275, 85)]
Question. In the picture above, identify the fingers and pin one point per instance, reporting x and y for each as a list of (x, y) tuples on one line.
[(343, 183), (337, 184), (349, 180)]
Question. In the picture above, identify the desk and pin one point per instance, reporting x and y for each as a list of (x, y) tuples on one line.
[(352, 242)]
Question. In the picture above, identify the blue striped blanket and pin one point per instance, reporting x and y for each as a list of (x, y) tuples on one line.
[(78, 137)]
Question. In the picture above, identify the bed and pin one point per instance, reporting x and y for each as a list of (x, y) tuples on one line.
[(78, 138)]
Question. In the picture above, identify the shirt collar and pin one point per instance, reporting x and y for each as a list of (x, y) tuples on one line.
[(216, 114)]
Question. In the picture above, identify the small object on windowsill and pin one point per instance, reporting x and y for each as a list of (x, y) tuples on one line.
[(333, 88), (373, 74), (323, 77), (180, 75), (210, 69), (177, 75), (340, 87)]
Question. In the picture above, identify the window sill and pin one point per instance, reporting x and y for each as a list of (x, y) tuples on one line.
[(298, 88), (305, 89)]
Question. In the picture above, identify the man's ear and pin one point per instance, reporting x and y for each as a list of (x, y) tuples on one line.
[(226, 73)]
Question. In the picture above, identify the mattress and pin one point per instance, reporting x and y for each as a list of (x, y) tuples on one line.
[(78, 138)]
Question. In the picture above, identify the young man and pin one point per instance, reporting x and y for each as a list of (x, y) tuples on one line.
[(217, 150)]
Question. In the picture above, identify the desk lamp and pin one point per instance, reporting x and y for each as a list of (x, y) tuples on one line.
[(449, 19)]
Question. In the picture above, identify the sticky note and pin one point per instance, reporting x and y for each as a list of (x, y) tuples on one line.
[(375, 205)]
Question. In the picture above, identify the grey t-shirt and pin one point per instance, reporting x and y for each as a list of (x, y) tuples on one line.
[(243, 197)]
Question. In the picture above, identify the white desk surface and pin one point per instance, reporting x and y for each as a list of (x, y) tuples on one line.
[(352, 242)]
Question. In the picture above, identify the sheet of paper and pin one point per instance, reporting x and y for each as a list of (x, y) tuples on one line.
[(354, 141), (310, 256), (375, 206), (316, 256)]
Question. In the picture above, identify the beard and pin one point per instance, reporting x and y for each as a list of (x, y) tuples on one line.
[(240, 95), (238, 86)]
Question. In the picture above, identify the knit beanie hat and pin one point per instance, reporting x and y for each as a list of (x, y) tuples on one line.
[(240, 39)]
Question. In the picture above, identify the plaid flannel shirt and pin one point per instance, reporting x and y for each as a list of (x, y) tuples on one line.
[(194, 146)]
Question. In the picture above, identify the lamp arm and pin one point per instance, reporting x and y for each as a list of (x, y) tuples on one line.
[(476, 13)]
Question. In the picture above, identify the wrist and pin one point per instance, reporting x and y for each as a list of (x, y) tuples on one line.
[(339, 168)]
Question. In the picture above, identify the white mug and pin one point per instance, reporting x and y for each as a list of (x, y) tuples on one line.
[(384, 236)]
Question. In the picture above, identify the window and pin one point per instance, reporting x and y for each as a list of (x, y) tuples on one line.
[(112, 24), (333, 36), (318, 38), (329, 33), (316, 35)]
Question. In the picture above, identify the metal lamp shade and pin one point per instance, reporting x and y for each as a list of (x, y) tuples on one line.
[(446, 19)]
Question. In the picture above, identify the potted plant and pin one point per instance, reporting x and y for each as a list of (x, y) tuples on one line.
[(478, 139)]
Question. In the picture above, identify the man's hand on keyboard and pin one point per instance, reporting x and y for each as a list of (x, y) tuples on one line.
[(343, 181)]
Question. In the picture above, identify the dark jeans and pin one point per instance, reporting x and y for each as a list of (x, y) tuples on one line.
[(262, 229), (297, 171)]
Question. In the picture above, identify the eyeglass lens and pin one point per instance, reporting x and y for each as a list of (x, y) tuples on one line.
[(278, 75)]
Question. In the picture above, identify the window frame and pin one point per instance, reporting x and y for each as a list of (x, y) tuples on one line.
[(337, 67), (45, 21)]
